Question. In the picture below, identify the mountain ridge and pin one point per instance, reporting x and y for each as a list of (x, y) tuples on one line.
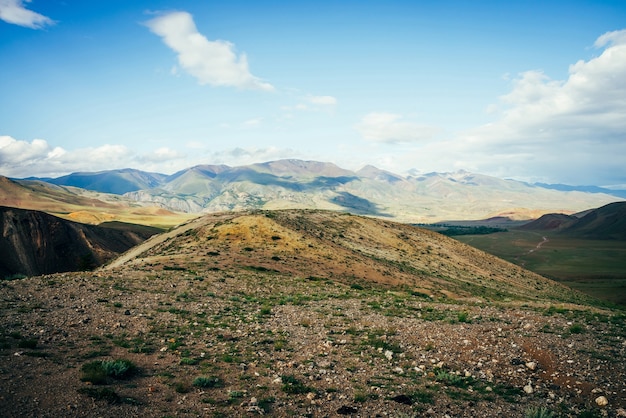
[(427, 198), (605, 223)]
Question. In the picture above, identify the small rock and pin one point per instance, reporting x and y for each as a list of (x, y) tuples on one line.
[(528, 388), (621, 412), (602, 401), (531, 365), (389, 354), (398, 370), (127, 312)]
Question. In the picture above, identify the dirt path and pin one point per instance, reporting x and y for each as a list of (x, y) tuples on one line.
[(151, 242), (545, 239)]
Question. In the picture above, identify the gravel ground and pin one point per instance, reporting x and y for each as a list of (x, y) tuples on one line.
[(281, 345)]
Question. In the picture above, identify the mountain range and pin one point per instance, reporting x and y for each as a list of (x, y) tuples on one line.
[(298, 184)]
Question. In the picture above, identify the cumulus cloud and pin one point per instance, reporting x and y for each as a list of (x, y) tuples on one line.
[(37, 158), (390, 128), (568, 128), (14, 12), (211, 62)]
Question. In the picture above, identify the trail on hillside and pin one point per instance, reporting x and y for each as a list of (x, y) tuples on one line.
[(539, 245), (152, 242)]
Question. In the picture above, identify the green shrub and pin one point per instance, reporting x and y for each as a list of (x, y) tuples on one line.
[(99, 372), (292, 385), (576, 329), (208, 382), (118, 369), (538, 413)]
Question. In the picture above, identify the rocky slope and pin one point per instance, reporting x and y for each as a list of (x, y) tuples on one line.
[(34, 243), (306, 313)]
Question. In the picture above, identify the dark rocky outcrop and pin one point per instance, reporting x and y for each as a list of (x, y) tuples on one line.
[(33, 243)]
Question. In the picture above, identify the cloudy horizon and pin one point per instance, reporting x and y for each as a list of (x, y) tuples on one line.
[(495, 89)]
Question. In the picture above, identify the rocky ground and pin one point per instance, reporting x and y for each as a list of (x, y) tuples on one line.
[(233, 342)]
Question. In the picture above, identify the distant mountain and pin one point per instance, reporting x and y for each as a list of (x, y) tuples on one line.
[(586, 189), (606, 222), (34, 243), (298, 184), (82, 205), (112, 181), (550, 222)]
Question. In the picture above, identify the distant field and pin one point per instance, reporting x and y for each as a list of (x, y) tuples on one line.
[(596, 267)]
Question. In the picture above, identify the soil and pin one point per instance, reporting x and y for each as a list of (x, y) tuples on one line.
[(294, 343)]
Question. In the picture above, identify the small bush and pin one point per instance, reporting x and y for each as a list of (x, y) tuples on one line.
[(99, 372), (576, 329), (538, 413), (118, 369), (292, 385), (208, 382), (463, 317)]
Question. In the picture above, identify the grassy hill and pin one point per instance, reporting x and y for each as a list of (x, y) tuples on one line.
[(306, 313)]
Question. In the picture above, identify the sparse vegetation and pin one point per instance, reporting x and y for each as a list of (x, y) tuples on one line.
[(100, 372), (287, 342), (208, 382)]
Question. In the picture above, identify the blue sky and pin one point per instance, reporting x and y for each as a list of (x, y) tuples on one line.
[(531, 90)]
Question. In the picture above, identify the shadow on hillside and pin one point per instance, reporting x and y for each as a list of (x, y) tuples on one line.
[(357, 205)]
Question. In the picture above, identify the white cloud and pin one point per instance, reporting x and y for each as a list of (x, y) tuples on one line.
[(390, 128), (210, 62), (323, 100), (569, 129), (251, 123), (160, 155), (37, 158), (244, 156), (14, 12)]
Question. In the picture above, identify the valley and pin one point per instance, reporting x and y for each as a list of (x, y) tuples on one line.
[(596, 267)]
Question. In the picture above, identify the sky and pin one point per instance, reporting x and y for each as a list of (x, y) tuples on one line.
[(533, 90)]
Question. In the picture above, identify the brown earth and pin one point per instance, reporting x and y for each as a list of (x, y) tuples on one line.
[(33, 242), (308, 313)]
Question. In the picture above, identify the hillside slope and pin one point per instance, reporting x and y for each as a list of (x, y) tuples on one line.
[(355, 250), (605, 223), (82, 205), (34, 243), (306, 313)]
